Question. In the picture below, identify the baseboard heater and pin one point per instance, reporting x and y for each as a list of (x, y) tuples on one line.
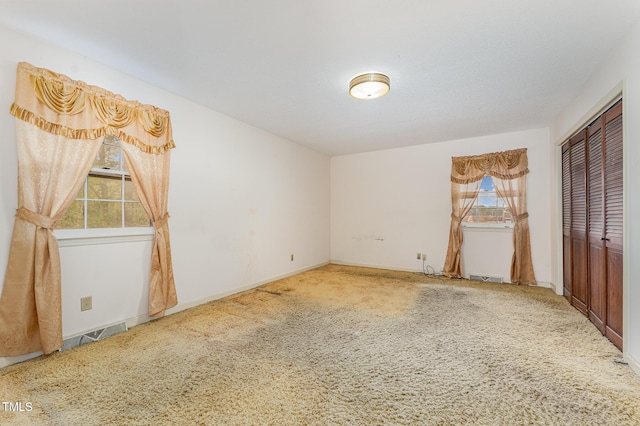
[(485, 278), (93, 336)]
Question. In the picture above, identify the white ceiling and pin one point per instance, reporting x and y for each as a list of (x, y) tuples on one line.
[(458, 68)]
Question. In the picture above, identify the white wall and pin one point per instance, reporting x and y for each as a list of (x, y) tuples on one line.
[(622, 66), (241, 201), (388, 205)]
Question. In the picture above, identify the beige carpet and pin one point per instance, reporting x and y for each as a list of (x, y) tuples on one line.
[(342, 346)]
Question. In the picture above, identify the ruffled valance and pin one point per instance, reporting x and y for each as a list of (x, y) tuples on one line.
[(88, 112), (504, 165)]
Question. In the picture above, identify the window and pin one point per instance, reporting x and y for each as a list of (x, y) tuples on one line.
[(108, 199), (489, 210)]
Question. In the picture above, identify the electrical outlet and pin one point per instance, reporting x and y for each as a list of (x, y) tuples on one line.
[(424, 256), (86, 303), (292, 257), (418, 256)]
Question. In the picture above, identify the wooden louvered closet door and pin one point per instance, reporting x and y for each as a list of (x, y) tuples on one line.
[(579, 222), (613, 187), (597, 296), (592, 222)]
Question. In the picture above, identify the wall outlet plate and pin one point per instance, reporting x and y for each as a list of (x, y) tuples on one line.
[(86, 303)]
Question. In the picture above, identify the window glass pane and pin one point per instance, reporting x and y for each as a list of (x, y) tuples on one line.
[(104, 187), (134, 215), (130, 193), (475, 217), (487, 184), (111, 199), (108, 157), (80, 193), (507, 217), (104, 214), (488, 207), (485, 214), (73, 218)]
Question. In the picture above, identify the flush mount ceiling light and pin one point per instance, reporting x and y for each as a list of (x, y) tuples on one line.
[(371, 85)]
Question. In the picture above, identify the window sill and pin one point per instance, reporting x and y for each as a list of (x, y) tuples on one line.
[(88, 237), (485, 227)]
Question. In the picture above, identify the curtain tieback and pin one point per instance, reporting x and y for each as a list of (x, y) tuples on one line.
[(454, 217), (161, 222), (36, 218), (520, 217)]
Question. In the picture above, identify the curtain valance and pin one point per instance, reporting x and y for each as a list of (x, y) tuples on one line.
[(76, 110), (504, 165)]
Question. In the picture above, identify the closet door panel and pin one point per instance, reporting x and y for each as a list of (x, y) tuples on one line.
[(613, 178), (595, 183), (613, 187), (579, 223), (613, 329)]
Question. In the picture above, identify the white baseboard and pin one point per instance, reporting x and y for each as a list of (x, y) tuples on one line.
[(8, 360), (633, 363), (368, 265), (141, 319), (545, 284), (131, 322)]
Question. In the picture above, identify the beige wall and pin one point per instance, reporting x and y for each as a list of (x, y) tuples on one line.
[(241, 202), (388, 205)]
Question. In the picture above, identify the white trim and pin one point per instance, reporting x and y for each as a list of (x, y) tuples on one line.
[(541, 284), (86, 237), (607, 101), (633, 363), (369, 265), (544, 284), (559, 231), (108, 172), (487, 227), (184, 306), (9, 360), (626, 226)]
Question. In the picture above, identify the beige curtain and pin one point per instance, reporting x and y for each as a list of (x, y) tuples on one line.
[(462, 197), (60, 125), (51, 170), (150, 176), (465, 185), (508, 170), (510, 180)]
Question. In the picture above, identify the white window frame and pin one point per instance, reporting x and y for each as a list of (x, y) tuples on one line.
[(92, 236), (488, 226)]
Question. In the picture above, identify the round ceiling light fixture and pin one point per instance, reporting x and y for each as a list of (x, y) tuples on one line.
[(371, 85)]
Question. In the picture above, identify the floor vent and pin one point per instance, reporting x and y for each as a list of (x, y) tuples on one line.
[(93, 336), (485, 278)]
